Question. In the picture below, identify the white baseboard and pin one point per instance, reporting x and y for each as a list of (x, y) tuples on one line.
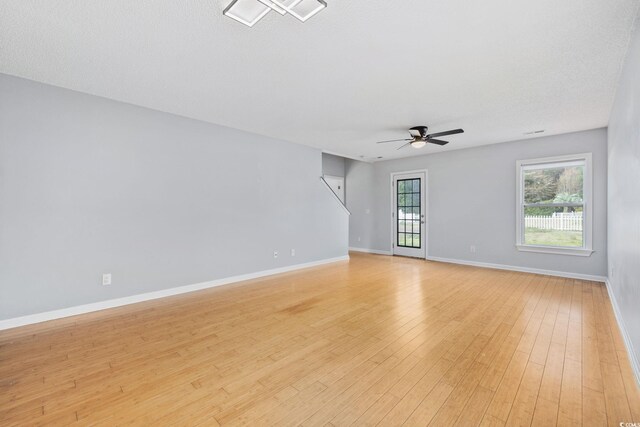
[(635, 364), (370, 251), (496, 266), (102, 305), (521, 269)]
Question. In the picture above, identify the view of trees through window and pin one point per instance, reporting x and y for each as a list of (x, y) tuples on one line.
[(553, 205)]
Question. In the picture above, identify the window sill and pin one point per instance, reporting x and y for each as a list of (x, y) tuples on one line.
[(555, 251)]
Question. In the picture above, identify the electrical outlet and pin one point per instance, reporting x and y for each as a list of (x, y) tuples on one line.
[(359, 238), (293, 252), (611, 272), (106, 279), (275, 254), (472, 249)]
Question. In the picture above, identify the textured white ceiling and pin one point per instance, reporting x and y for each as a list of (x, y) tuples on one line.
[(358, 72)]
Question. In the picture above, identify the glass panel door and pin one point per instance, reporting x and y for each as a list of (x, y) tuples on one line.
[(409, 219), (408, 206)]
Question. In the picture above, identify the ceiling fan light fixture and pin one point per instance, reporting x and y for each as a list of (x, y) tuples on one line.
[(419, 143), (247, 12)]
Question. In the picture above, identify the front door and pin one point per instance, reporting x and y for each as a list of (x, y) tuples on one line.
[(409, 224)]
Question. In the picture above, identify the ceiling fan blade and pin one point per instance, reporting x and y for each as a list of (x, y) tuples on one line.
[(449, 132), (404, 145), (394, 140), (415, 132), (437, 141)]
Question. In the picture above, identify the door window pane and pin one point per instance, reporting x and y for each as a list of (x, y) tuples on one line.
[(408, 240), (409, 213), (408, 186)]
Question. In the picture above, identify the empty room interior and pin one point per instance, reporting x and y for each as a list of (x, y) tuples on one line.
[(320, 213)]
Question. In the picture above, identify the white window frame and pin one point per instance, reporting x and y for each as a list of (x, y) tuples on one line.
[(587, 248)]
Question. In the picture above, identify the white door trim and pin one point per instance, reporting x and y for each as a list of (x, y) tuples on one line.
[(392, 207)]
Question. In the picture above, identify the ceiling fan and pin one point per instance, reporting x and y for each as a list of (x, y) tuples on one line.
[(419, 137)]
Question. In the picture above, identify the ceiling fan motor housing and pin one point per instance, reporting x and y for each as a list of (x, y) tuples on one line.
[(419, 131)]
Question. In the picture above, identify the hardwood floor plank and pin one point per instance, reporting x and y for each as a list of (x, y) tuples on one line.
[(525, 401), (474, 410), (505, 394), (615, 396), (378, 410), (373, 341), (570, 406), (545, 413), (594, 411)]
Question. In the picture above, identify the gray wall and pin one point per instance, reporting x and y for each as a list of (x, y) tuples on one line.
[(472, 201), (333, 165), (91, 186), (624, 195), (360, 202)]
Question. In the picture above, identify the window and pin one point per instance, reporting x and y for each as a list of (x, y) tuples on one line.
[(554, 205)]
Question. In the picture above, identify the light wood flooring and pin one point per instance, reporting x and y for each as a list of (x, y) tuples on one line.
[(374, 341)]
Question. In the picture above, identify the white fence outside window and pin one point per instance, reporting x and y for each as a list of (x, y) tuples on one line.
[(559, 221)]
